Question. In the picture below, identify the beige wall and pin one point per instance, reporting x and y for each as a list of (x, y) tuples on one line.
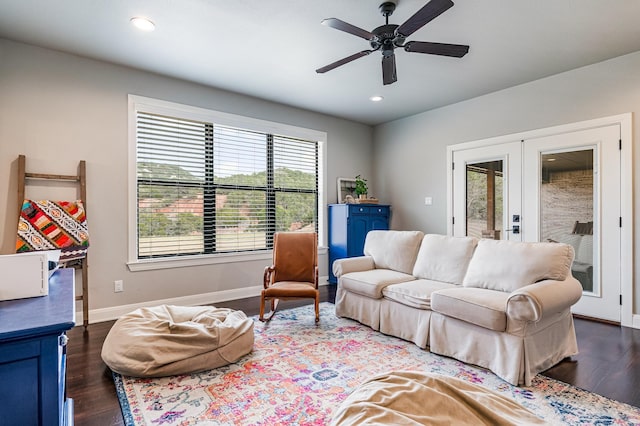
[(410, 154), (57, 109)]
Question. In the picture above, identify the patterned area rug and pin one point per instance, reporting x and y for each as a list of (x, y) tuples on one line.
[(299, 372)]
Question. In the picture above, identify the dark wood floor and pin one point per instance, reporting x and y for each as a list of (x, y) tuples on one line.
[(608, 364)]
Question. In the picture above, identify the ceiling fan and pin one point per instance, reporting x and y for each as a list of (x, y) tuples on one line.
[(387, 37)]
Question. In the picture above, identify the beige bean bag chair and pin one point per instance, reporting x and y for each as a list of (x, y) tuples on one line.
[(416, 398), (168, 340)]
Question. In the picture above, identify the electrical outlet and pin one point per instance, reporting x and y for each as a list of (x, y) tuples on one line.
[(428, 201), (118, 286)]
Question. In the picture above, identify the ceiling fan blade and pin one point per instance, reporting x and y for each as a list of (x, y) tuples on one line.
[(444, 49), (389, 69), (348, 28), (429, 11), (343, 61)]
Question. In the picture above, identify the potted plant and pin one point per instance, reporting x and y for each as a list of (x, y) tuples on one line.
[(361, 187)]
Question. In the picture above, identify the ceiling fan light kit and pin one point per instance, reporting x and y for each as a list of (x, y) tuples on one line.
[(386, 38)]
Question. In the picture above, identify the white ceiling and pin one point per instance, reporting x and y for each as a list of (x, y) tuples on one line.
[(271, 48)]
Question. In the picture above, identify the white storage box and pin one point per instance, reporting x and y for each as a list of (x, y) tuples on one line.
[(24, 275)]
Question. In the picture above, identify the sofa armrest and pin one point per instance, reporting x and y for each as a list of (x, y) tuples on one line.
[(533, 302), (352, 264)]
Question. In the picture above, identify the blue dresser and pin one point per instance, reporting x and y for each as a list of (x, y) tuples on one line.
[(33, 355), (348, 227)]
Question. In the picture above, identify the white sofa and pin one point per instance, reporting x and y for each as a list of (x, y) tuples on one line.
[(501, 305)]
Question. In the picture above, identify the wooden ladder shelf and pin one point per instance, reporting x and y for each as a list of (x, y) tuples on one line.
[(81, 180)]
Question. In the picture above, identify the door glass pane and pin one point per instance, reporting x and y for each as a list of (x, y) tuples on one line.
[(567, 208), (485, 196)]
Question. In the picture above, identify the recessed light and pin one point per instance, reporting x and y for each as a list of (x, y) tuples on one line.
[(551, 159), (376, 98), (143, 24)]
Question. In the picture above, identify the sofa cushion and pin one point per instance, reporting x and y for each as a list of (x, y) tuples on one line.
[(444, 258), (508, 265), (394, 250), (416, 293), (486, 308), (371, 283)]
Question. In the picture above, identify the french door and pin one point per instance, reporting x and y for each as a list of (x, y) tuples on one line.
[(572, 181), (559, 188), (487, 185)]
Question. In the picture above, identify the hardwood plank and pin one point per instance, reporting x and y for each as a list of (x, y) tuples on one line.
[(608, 363)]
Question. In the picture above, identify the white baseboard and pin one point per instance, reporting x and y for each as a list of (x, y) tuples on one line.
[(114, 312), (636, 321)]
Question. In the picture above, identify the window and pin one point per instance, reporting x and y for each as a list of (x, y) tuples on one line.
[(206, 184)]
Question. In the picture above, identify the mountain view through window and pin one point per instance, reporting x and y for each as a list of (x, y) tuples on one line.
[(204, 188)]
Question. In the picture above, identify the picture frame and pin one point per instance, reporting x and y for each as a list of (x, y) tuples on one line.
[(346, 186)]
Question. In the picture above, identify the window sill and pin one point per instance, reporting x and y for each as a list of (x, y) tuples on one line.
[(200, 260)]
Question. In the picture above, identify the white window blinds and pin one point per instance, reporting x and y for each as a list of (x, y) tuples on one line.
[(205, 188)]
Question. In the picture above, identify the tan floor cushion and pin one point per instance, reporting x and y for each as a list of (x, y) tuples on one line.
[(168, 340), (417, 398)]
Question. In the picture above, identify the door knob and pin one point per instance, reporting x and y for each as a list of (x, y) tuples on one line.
[(515, 229)]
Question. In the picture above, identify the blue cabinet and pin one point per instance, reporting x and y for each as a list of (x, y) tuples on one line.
[(348, 227), (33, 355)]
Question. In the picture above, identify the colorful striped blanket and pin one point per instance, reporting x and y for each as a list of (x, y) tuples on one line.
[(52, 225)]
